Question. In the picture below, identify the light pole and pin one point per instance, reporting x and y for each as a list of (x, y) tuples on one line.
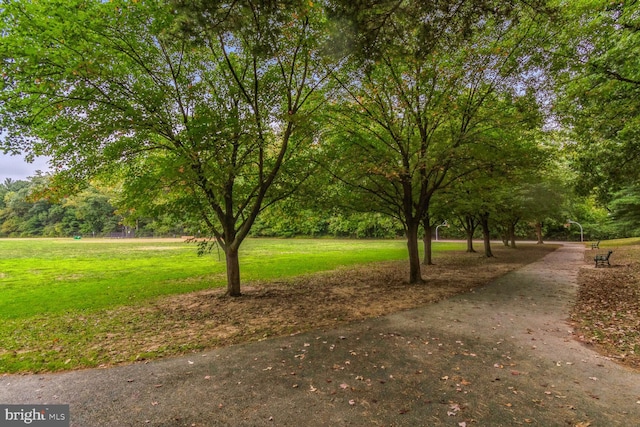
[(445, 224), (581, 233)]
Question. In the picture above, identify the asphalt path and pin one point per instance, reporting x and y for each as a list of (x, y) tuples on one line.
[(502, 355)]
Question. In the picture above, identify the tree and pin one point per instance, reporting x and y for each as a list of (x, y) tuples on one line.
[(598, 56), (625, 211), (196, 110), (94, 211), (419, 111)]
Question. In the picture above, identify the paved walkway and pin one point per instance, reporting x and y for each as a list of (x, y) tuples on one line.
[(500, 356)]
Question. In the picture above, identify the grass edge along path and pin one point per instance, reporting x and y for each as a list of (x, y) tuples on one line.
[(171, 325)]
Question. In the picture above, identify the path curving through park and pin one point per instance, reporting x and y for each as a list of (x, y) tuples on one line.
[(502, 355)]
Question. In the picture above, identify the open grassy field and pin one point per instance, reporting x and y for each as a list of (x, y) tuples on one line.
[(64, 296), (52, 276)]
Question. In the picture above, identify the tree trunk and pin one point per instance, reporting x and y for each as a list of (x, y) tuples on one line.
[(539, 233), (427, 260), (505, 237), (470, 243), (233, 272), (512, 234), (486, 233), (470, 228), (415, 275)]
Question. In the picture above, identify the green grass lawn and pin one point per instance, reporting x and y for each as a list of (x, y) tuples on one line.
[(60, 297), (56, 276)]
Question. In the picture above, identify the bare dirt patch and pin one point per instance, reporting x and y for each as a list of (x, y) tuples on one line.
[(607, 310)]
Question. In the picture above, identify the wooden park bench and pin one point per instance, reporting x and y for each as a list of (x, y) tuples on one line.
[(595, 245), (601, 259)]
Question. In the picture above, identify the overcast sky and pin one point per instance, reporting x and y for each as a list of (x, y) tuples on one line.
[(16, 168)]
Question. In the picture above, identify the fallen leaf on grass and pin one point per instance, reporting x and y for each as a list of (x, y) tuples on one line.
[(454, 409)]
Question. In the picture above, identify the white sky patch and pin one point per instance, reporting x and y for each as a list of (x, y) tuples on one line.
[(17, 168)]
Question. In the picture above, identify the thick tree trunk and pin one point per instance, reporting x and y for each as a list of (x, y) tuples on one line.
[(415, 274), (233, 272), (470, 243), (486, 233), (427, 260), (539, 232)]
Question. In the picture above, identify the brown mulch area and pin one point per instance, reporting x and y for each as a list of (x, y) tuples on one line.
[(607, 310), (209, 319)]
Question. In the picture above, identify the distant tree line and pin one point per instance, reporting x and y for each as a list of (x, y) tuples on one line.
[(27, 211), (24, 212)]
